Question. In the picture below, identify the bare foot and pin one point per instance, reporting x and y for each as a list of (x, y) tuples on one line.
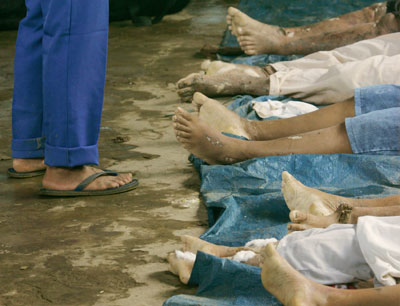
[(180, 266), (253, 36), (69, 178), (309, 200), (210, 145), (289, 286), (219, 117), (28, 165), (193, 244), (223, 80), (303, 221)]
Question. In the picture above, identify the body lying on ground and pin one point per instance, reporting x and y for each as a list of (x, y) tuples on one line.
[(255, 37), (360, 243), (323, 77), (367, 124)]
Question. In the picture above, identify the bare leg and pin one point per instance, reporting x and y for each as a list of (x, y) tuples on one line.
[(183, 266), (222, 119), (193, 244), (257, 38), (292, 288), (309, 200), (213, 147), (303, 221)]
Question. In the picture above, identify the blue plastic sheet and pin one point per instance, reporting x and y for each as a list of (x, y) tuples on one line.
[(244, 202)]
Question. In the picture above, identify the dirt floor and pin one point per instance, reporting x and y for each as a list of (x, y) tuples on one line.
[(111, 250)]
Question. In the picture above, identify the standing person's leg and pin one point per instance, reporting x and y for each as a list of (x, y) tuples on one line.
[(74, 67), (27, 110)]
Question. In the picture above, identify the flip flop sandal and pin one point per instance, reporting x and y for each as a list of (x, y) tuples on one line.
[(21, 175), (80, 192)]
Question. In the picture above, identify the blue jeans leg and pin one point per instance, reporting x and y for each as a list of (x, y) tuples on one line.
[(74, 67), (27, 109)]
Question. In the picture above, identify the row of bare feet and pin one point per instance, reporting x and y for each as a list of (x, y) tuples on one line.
[(57, 178), (218, 78), (309, 208), (278, 277)]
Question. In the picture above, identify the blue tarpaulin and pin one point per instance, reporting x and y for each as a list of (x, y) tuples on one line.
[(244, 200)]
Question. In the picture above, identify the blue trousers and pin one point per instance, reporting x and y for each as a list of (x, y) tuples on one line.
[(59, 78)]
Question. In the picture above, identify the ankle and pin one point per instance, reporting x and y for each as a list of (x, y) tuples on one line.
[(56, 173), (27, 165)]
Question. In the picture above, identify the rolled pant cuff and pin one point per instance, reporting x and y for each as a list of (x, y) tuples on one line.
[(28, 148), (71, 157)]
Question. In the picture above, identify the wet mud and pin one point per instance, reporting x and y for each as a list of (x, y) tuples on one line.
[(111, 250)]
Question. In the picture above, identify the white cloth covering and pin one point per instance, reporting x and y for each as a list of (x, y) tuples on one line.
[(379, 240), (280, 109), (331, 76), (344, 253)]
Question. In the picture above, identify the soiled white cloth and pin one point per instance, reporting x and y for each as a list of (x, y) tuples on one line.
[(259, 244), (186, 256), (331, 76), (279, 109), (344, 253), (243, 256), (379, 240)]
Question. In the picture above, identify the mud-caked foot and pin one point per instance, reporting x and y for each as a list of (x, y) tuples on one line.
[(253, 36), (309, 200), (205, 142)]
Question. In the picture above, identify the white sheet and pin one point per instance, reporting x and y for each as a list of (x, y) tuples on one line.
[(271, 108), (344, 253), (379, 239), (331, 76)]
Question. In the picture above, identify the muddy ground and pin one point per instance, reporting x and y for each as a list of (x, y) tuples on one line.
[(111, 250)]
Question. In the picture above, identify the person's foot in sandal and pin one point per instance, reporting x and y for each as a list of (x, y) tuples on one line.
[(26, 167), (60, 181)]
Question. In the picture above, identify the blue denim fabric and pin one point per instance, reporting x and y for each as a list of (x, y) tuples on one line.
[(375, 129), (59, 77)]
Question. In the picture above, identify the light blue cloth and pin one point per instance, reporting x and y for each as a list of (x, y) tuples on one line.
[(375, 129)]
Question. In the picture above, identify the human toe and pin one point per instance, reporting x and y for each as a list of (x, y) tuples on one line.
[(182, 114), (185, 92), (188, 81), (297, 227), (297, 216)]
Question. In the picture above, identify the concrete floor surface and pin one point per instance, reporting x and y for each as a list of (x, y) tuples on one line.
[(111, 250)]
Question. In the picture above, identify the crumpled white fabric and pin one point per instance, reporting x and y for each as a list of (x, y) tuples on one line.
[(279, 109), (379, 240), (344, 253)]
